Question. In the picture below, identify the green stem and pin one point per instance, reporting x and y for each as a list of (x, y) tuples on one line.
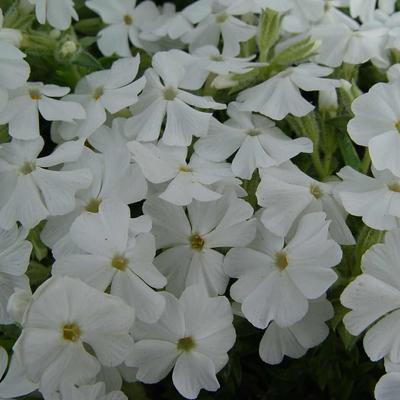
[(366, 162)]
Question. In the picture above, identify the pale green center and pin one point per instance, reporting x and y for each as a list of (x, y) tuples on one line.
[(216, 57), (27, 168), (185, 344), (316, 191), (254, 132), (196, 242), (221, 18), (119, 263), (93, 206), (71, 332), (281, 260), (170, 93), (35, 94)]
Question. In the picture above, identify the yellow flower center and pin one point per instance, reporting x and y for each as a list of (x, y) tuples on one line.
[(93, 206), (27, 168), (397, 125), (281, 260), (71, 332), (98, 92), (35, 94), (128, 20), (196, 242), (119, 263), (185, 344), (170, 93), (316, 191), (184, 168), (394, 187)]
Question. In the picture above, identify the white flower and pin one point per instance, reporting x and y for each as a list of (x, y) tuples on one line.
[(96, 391), (287, 193), (64, 315), (374, 300), (342, 44), (125, 21), (114, 177), (58, 13), (9, 35), (190, 242), (169, 23), (295, 340), (112, 90), (365, 8), (14, 382), (15, 254), (376, 125), (276, 279), (18, 303), (217, 18), (111, 255), (14, 70), (208, 60), (166, 98), (25, 103), (187, 181), (375, 199), (192, 337), (30, 191), (258, 142), (393, 73), (280, 95)]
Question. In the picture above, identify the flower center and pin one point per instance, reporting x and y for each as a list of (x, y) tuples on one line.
[(119, 263), (281, 260), (397, 125), (316, 191), (35, 94), (394, 187), (27, 168), (170, 93), (185, 344), (196, 242), (254, 132), (184, 168), (93, 206), (71, 332), (128, 20), (216, 57), (98, 92), (221, 18)]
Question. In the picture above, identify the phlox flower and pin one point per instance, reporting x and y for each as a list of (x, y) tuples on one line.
[(376, 199), (191, 241), (14, 70), (65, 314), (280, 95), (287, 193), (125, 20), (278, 278), (215, 18), (25, 104), (95, 391), (30, 190), (376, 125), (113, 255), (258, 142), (108, 90), (191, 338), (374, 300), (58, 13), (9, 35), (166, 98), (187, 181), (295, 340), (15, 254)]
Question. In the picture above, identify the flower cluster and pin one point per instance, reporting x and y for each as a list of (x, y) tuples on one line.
[(169, 176)]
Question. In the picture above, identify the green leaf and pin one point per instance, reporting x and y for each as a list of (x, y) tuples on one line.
[(298, 51), (85, 59), (40, 251), (349, 153)]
